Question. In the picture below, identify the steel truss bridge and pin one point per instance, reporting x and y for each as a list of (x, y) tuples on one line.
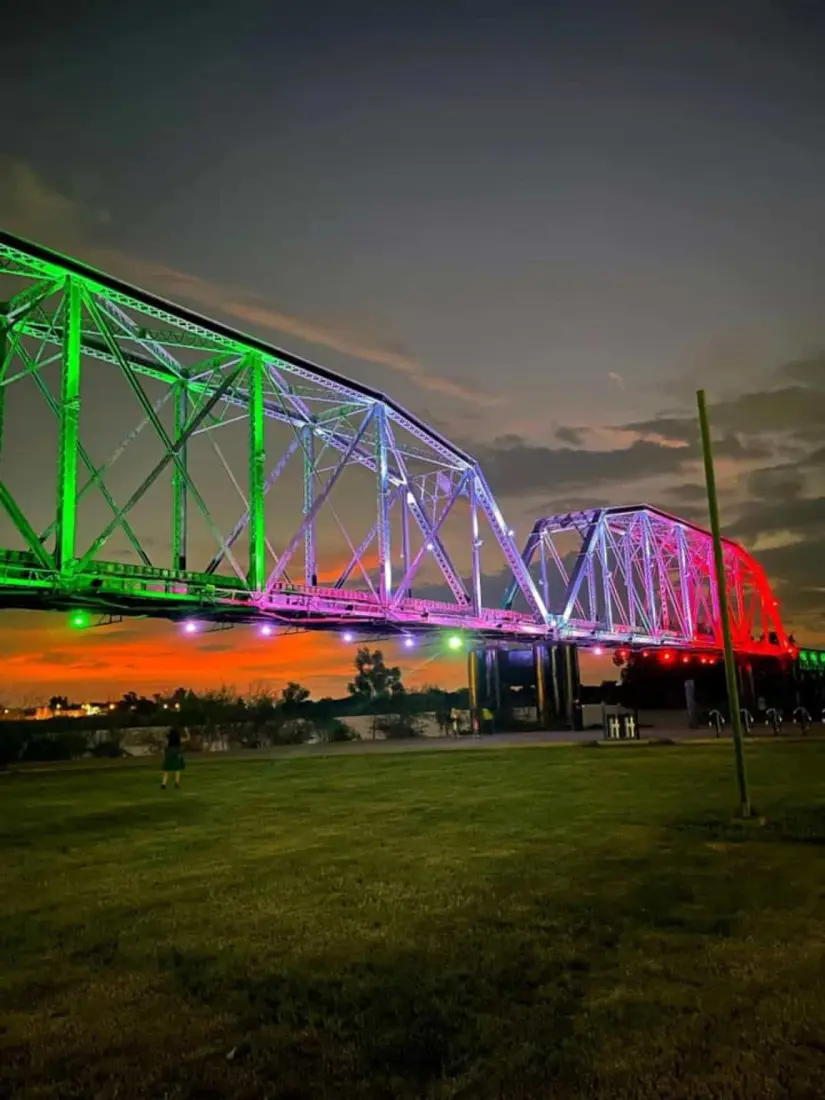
[(122, 514)]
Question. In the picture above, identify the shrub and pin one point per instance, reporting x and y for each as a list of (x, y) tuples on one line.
[(110, 749), (56, 746), (11, 745), (332, 729), (397, 726)]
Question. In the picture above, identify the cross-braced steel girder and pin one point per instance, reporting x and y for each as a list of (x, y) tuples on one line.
[(639, 576), (189, 384), (410, 532)]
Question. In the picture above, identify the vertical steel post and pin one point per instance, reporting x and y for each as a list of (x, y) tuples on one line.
[(257, 476), (684, 582), (66, 527), (650, 595), (310, 553), (405, 534), (722, 598), (476, 549), (608, 603), (180, 497), (382, 470), (630, 586), (545, 580), (4, 350)]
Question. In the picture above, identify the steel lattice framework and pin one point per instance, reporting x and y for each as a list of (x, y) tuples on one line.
[(273, 423), (644, 577), (59, 314)]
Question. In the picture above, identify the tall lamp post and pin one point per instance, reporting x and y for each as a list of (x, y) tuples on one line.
[(722, 602)]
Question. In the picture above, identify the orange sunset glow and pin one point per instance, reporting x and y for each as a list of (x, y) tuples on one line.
[(43, 656)]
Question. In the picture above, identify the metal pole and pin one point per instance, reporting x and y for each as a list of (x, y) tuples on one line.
[(722, 599)]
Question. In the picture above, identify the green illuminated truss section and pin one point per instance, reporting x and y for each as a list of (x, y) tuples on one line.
[(155, 462)]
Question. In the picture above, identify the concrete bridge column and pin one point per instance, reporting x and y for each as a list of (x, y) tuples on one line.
[(544, 691), (567, 685)]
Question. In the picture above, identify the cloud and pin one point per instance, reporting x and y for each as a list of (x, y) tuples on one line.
[(573, 436), (31, 208), (517, 468)]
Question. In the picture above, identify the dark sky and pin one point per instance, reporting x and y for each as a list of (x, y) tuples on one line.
[(538, 225)]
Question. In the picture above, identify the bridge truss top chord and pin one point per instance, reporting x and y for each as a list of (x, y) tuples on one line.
[(230, 468)]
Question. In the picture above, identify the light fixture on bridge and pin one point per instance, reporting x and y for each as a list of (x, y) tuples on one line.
[(190, 627), (455, 641), (349, 637), (597, 651), (409, 642), (79, 619), (265, 630)]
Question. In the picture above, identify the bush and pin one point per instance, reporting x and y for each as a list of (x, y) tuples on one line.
[(11, 745), (333, 730), (395, 727), (56, 746), (109, 749)]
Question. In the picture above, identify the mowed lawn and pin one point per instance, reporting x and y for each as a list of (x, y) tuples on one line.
[(531, 922)]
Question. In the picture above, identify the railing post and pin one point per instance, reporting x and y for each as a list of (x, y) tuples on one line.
[(66, 529), (257, 463)]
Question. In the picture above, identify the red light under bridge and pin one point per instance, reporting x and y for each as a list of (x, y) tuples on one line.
[(155, 462)]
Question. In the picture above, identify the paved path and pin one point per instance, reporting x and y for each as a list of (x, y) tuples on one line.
[(501, 741)]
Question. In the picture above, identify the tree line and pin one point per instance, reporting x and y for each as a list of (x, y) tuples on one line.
[(261, 717)]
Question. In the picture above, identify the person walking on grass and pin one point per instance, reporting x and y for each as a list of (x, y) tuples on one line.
[(173, 761)]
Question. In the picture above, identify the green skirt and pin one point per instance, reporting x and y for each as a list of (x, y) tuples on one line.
[(173, 761)]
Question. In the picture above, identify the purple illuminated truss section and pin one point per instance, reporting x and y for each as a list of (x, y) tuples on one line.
[(638, 576), (155, 462)]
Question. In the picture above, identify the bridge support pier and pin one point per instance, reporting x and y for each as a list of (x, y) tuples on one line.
[(549, 672), (568, 684), (473, 683)]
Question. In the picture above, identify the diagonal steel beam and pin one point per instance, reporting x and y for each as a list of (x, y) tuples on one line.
[(83, 454), (318, 502), (412, 568), (358, 557), (412, 503), (172, 450), (19, 520), (243, 522), (160, 467), (115, 455), (580, 568)]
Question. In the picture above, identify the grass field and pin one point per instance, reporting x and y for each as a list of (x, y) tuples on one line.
[(536, 922)]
